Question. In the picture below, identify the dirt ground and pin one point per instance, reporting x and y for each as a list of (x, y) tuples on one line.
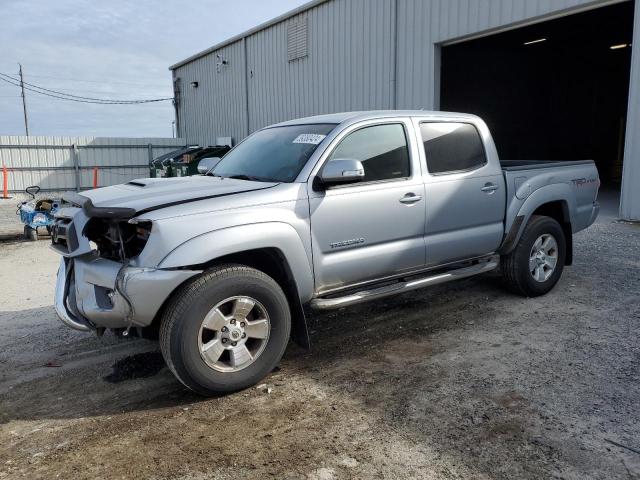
[(463, 380)]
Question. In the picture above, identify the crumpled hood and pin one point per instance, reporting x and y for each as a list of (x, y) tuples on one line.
[(147, 194)]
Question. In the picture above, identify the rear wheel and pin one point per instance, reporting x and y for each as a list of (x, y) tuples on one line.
[(535, 265), (30, 233), (225, 330)]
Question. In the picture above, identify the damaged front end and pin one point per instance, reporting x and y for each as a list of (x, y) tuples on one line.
[(117, 240), (99, 283)]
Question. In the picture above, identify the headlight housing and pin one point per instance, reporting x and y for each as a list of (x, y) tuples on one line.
[(118, 239)]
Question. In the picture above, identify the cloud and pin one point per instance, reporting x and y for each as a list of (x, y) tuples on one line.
[(115, 49)]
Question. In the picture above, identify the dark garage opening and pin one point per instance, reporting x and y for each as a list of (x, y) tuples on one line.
[(555, 90)]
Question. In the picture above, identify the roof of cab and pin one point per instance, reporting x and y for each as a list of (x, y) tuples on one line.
[(352, 117)]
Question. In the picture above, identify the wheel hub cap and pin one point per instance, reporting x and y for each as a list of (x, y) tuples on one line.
[(234, 333), (543, 257)]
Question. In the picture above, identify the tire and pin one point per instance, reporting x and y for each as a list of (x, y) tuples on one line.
[(30, 233), (525, 270), (186, 339)]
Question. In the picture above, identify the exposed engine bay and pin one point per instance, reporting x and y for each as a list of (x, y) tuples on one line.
[(116, 239)]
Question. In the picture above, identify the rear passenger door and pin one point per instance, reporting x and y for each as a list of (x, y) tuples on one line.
[(465, 193)]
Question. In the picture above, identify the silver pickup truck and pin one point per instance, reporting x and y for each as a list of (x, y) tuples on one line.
[(321, 212)]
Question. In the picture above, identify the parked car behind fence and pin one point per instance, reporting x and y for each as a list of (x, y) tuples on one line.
[(184, 161)]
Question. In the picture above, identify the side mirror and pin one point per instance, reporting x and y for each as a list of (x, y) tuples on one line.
[(342, 170), (207, 163)]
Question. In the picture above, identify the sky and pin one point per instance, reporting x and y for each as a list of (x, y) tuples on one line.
[(117, 49)]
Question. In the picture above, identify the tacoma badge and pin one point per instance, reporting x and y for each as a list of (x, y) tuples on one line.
[(344, 243)]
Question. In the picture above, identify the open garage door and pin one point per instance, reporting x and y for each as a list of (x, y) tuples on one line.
[(555, 90)]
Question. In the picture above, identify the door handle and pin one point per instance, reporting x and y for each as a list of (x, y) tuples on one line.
[(411, 198), (489, 188)]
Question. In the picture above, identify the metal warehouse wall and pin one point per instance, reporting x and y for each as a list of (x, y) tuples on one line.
[(423, 24), (351, 62), (67, 163), (362, 55), (273, 89), (347, 68), (217, 108)]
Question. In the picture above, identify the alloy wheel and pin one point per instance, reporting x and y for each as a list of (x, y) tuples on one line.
[(543, 257), (234, 333)]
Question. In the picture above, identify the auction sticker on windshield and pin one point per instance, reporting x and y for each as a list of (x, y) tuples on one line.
[(311, 138)]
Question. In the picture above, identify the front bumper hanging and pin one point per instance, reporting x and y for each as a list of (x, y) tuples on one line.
[(93, 292), (60, 302)]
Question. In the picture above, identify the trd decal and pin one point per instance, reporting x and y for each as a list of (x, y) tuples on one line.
[(580, 182)]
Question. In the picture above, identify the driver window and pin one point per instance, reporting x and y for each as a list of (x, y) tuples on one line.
[(382, 149)]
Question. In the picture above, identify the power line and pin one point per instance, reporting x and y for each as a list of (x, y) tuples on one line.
[(148, 94), (88, 99), (75, 98), (63, 97), (106, 82), (107, 91)]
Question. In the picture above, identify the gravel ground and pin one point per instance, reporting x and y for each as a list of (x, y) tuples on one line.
[(10, 226), (458, 381)]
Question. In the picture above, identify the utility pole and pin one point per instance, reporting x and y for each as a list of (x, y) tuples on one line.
[(24, 103)]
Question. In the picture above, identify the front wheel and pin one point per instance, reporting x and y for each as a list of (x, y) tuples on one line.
[(225, 330), (536, 263)]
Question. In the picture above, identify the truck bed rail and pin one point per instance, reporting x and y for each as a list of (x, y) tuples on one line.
[(515, 165)]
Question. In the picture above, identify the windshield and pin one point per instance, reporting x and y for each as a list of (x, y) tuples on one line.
[(274, 154)]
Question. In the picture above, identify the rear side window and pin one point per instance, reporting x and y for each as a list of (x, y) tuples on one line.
[(382, 149), (452, 147)]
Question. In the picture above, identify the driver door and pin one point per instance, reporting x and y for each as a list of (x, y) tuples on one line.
[(374, 228)]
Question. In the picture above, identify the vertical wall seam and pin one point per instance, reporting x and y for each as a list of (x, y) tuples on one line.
[(246, 86), (394, 83)]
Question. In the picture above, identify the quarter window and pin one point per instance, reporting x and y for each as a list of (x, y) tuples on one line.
[(382, 149), (452, 147)]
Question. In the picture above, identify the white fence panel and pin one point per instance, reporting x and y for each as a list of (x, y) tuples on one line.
[(68, 163)]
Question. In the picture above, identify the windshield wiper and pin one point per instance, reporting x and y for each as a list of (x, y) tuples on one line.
[(242, 176)]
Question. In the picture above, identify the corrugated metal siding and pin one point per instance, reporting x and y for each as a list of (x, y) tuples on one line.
[(425, 23), (217, 107), (630, 196), (350, 43), (49, 161), (350, 62)]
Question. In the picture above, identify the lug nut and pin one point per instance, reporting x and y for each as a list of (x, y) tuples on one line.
[(224, 329), (242, 324), (233, 321), (233, 344), (224, 340), (244, 335)]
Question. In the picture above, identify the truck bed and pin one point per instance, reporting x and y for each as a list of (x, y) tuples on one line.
[(574, 182)]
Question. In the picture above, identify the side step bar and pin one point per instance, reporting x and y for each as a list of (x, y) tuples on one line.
[(406, 286)]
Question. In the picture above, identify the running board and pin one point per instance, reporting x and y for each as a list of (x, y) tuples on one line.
[(406, 286)]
